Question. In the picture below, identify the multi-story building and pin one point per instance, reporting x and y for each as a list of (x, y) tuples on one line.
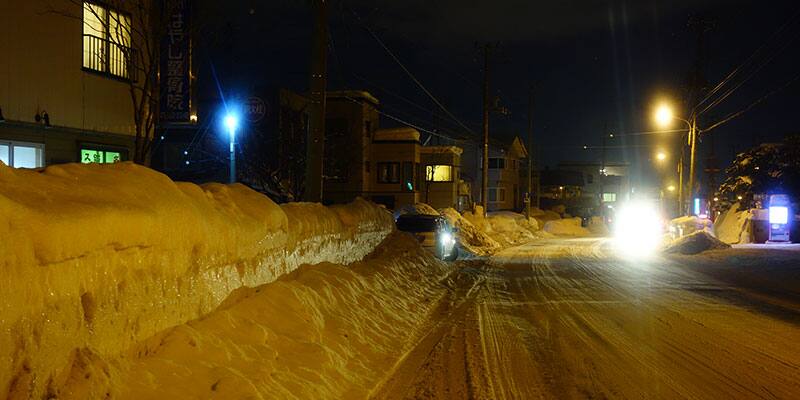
[(351, 121), (443, 186), (506, 166), (603, 183), (396, 158), (64, 85)]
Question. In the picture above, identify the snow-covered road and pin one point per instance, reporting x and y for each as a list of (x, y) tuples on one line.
[(565, 318)]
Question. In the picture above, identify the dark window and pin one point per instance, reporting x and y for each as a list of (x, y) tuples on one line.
[(497, 163), (590, 178), (408, 176), (337, 142), (366, 166), (389, 172), (368, 129)]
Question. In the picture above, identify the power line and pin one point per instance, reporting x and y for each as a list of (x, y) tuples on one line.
[(753, 104), (413, 78), (415, 126), (744, 65)]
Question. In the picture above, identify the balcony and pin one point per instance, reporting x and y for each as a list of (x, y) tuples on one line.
[(109, 58)]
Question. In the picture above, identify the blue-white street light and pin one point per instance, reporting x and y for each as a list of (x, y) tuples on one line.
[(231, 122)]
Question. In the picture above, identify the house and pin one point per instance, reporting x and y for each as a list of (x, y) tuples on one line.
[(65, 84), (507, 173), (351, 121), (603, 183), (396, 160), (443, 186)]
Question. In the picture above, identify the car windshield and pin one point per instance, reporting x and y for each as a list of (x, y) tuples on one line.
[(416, 224)]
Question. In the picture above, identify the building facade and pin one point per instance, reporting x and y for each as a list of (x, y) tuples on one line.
[(64, 86), (443, 186), (350, 123), (606, 184), (396, 161)]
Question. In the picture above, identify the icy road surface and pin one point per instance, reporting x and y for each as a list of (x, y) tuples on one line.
[(567, 319)]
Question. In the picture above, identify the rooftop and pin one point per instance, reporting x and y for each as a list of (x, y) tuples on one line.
[(353, 95), (441, 149), (404, 134)]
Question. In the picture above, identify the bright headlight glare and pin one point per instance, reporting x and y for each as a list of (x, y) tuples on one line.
[(638, 229), (446, 237)]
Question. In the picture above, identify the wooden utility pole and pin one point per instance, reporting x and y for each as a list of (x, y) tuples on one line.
[(485, 158), (315, 143)]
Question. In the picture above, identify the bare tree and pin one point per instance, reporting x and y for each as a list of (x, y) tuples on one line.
[(130, 31)]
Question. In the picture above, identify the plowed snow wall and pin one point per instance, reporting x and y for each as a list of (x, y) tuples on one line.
[(102, 256)]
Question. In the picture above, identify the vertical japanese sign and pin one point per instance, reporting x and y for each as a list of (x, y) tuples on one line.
[(175, 62)]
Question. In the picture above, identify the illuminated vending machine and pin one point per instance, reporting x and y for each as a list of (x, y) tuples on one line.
[(779, 218)]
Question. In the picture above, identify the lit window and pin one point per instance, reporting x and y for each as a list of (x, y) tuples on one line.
[(22, 155), (4, 156), (106, 40), (89, 156), (609, 197), (439, 173)]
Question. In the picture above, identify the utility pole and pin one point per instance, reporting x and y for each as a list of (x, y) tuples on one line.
[(697, 86), (485, 180), (530, 151), (692, 160), (315, 143)]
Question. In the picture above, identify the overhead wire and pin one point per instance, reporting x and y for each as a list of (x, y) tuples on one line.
[(410, 74), (743, 66)]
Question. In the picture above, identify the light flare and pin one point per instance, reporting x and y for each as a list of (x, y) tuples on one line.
[(638, 229)]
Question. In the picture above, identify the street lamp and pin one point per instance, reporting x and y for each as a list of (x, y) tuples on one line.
[(664, 117), (661, 156), (231, 123), (671, 188)]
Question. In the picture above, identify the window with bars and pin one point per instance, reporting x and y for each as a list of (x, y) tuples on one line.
[(107, 41)]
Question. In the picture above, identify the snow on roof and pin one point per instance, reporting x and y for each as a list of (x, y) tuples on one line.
[(441, 149), (353, 94), (404, 134)]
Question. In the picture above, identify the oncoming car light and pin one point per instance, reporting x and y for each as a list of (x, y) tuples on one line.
[(446, 237), (637, 229)]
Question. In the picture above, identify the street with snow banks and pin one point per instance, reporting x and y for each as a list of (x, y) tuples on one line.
[(566, 318)]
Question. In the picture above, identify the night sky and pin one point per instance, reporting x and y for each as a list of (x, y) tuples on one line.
[(596, 66)]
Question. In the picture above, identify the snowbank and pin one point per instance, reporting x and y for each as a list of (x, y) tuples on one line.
[(322, 332), (419, 208), (98, 257), (732, 225), (686, 225), (694, 243), (470, 238), (566, 227)]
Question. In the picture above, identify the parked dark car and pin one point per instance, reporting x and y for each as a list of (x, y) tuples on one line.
[(433, 232)]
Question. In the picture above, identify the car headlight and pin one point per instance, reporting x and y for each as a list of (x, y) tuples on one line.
[(446, 237)]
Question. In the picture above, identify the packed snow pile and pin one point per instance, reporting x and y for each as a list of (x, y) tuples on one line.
[(322, 332), (419, 208), (470, 238), (97, 257), (505, 227), (686, 225), (566, 227), (732, 226), (695, 243), (598, 227)]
